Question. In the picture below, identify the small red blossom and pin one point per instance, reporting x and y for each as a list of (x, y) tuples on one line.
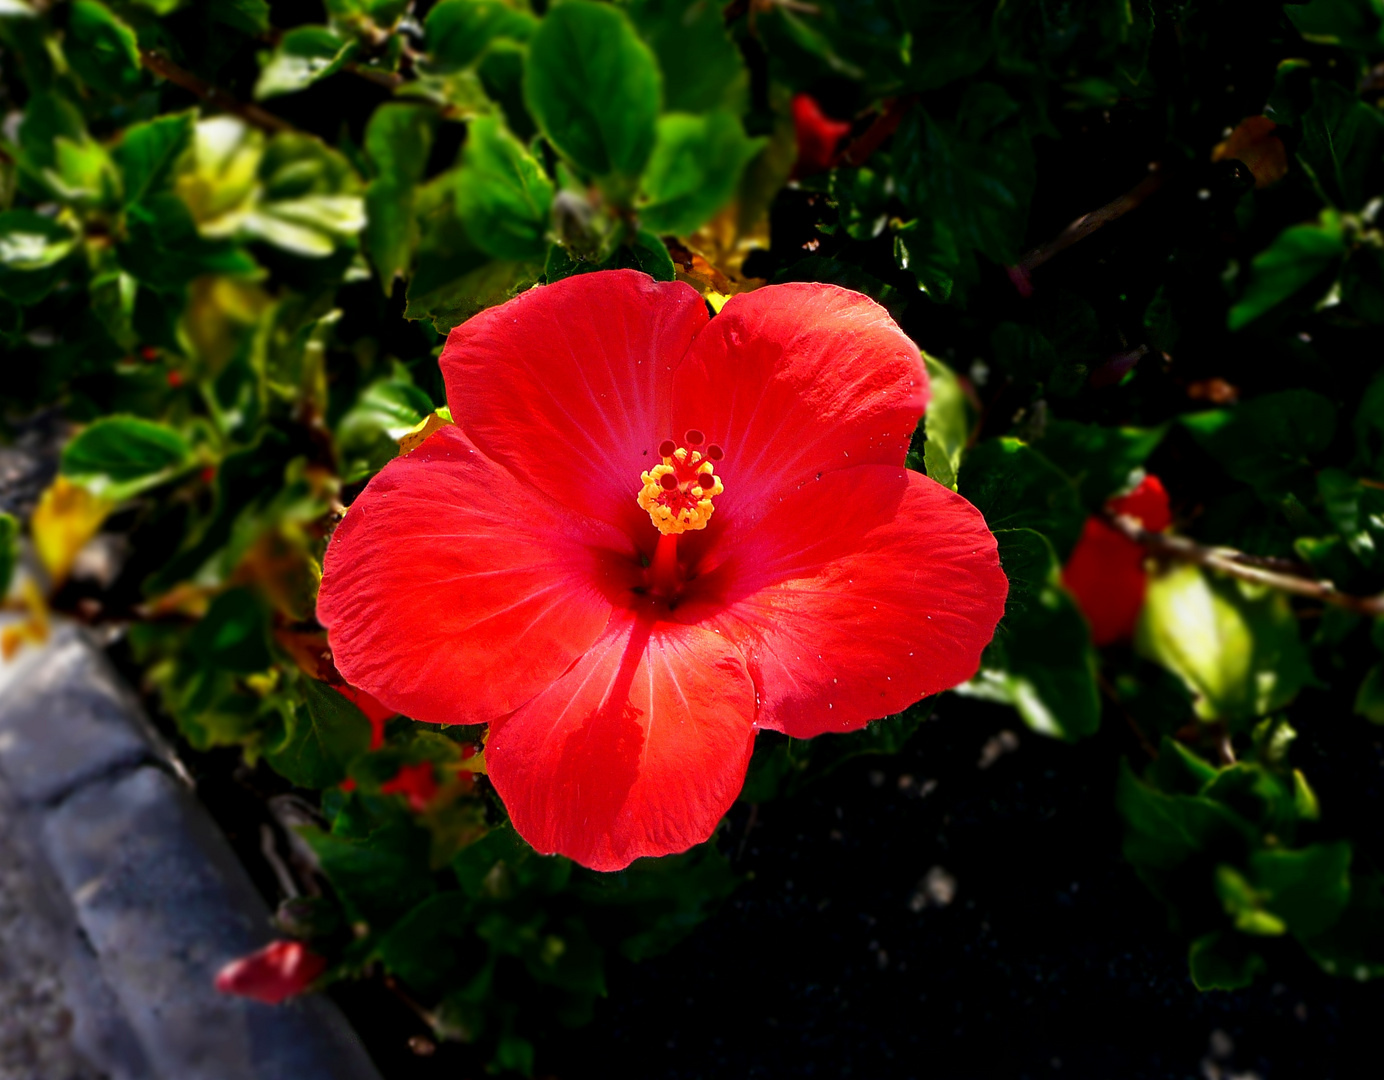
[(374, 711), (417, 783), (174, 379), (1106, 569), (649, 534), (818, 136), (277, 972)]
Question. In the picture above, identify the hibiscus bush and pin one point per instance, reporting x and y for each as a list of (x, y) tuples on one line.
[(481, 418)]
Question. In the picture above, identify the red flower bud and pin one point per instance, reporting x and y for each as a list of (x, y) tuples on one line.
[(818, 135), (1106, 570), (277, 972)]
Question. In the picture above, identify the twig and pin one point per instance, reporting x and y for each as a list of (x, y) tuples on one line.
[(162, 66), (1245, 567), (1085, 225)]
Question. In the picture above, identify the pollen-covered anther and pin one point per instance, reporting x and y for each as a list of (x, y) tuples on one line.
[(677, 493)]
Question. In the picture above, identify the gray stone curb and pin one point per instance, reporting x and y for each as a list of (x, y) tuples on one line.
[(130, 881)]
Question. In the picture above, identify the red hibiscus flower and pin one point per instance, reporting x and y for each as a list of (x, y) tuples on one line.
[(625, 607), (1106, 570), (818, 136), (272, 975)]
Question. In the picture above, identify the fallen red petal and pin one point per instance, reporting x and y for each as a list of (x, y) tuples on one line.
[(272, 975)]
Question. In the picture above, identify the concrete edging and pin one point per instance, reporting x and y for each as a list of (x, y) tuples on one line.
[(138, 890)]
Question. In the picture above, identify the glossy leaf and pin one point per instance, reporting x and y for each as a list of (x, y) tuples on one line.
[(594, 88), (1301, 256), (120, 456), (1234, 645), (303, 56), (694, 170), (503, 196), (703, 70), (321, 736), (1041, 660), (1015, 487), (102, 49), (459, 31), (947, 425)]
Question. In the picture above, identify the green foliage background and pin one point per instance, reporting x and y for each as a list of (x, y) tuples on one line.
[(234, 234)]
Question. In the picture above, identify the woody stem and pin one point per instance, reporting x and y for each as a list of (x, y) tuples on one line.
[(1239, 565), (663, 571)]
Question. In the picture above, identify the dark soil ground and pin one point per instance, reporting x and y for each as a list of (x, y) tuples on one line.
[(840, 957)]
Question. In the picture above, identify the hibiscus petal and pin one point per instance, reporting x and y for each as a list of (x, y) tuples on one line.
[(568, 385), (453, 592), (792, 380), (638, 750), (856, 595)]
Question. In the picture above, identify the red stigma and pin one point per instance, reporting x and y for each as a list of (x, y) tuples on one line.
[(668, 481), (714, 452), (694, 438), (666, 448)]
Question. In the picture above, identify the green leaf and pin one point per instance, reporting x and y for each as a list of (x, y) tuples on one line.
[(1351, 24), (1234, 645), (1308, 888), (31, 248), (368, 435), (9, 551), (432, 944), (304, 55), (1164, 831), (1369, 699), (594, 88), (398, 140), (702, 69), (1300, 256), (1362, 282), (1357, 512), (1354, 945), (694, 170), (947, 424), (233, 634), (147, 152), (248, 16), (1343, 145), (458, 32), (1268, 442), (973, 177), (163, 249), (119, 456), (660, 901), (101, 49), (320, 738), (376, 858), (1040, 661), (503, 196), (1015, 487), (1101, 460), (1245, 904), (1224, 961)]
